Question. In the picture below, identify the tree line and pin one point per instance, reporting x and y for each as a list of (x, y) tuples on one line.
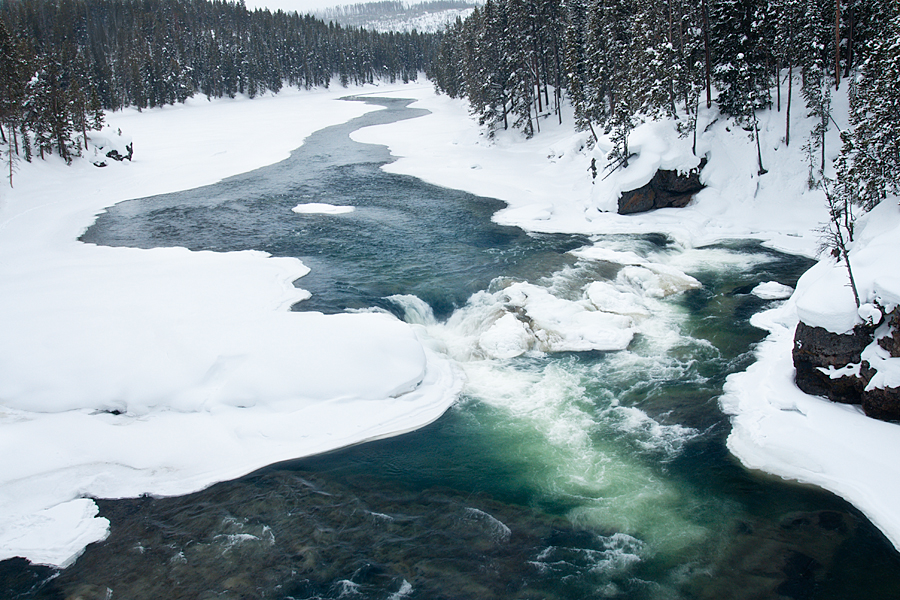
[(62, 62), (622, 61)]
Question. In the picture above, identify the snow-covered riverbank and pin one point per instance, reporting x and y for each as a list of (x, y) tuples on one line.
[(127, 371), (548, 186)]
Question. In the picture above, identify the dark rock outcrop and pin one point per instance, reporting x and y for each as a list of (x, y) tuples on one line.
[(816, 349), (667, 189), (882, 403), (116, 155)]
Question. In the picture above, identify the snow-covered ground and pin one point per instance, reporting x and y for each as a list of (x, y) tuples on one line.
[(187, 367), (127, 371), (547, 184)]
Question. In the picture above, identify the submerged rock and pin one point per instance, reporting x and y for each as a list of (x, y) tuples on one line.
[(667, 189)]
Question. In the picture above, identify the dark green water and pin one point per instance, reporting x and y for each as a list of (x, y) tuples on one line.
[(557, 475)]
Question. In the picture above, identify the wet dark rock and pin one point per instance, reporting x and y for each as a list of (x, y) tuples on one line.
[(882, 403), (787, 560), (667, 189), (817, 348), (800, 573), (116, 155), (891, 342)]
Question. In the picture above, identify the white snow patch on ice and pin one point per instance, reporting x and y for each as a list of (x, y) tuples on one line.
[(772, 290), (318, 208)]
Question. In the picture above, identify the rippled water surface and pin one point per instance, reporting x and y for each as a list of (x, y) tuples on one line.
[(559, 474)]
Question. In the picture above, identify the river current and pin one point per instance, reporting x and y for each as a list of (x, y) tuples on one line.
[(564, 471)]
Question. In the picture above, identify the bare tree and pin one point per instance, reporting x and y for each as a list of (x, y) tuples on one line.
[(838, 232)]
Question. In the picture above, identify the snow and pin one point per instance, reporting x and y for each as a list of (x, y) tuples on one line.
[(825, 297), (772, 290), (547, 185), (129, 371), (318, 208)]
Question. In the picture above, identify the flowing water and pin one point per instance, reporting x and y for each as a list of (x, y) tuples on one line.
[(569, 468)]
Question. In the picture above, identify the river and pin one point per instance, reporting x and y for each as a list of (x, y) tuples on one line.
[(558, 474)]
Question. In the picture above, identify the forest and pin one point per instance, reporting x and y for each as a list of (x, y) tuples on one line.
[(62, 62), (617, 62), (620, 62)]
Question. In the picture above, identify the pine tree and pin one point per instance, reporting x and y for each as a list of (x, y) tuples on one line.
[(817, 33), (870, 159)]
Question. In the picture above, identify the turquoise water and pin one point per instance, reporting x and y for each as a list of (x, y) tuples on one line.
[(557, 474)]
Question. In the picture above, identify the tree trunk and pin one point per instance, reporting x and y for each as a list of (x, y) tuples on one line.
[(696, 119), (706, 51), (762, 170), (505, 121), (850, 37), (778, 81), (787, 121), (837, 44)]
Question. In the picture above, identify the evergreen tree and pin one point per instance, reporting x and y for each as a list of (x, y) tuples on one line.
[(870, 159)]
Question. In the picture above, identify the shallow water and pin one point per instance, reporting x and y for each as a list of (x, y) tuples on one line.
[(558, 474)]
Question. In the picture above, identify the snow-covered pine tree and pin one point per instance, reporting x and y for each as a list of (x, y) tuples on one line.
[(521, 57), (787, 18), (633, 78), (688, 70), (574, 61), (869, 166), (489, 80), (816, 35), (740, 46)]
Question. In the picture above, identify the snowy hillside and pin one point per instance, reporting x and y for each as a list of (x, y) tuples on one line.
[(424, 17)]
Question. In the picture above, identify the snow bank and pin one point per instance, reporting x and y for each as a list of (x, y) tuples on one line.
[(779, 429), (547, 183), (127, 371), (824, 296)]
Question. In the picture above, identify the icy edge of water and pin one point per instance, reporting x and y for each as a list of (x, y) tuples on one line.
[(49, 517), (778, 429)]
